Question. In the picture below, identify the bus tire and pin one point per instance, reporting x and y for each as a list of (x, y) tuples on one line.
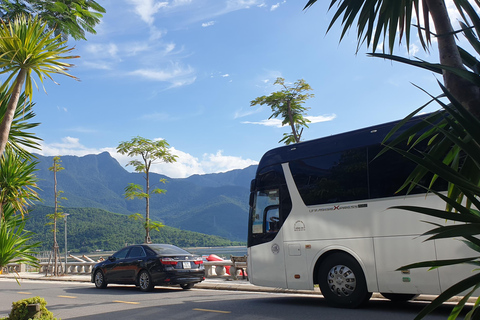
[(399, 297), (342, 281)]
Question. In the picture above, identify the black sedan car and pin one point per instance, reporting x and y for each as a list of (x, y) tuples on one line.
[(147, 265)]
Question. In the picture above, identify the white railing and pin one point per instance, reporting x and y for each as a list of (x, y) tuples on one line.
[(212, 268)]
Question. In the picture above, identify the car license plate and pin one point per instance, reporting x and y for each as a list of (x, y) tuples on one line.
[(186, 265)]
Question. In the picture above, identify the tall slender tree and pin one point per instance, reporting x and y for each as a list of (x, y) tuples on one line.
[(58, 211), (150, 153)]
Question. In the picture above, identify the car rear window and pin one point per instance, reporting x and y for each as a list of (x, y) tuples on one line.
[(168, 250)]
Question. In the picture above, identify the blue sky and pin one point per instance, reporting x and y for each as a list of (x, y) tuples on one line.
[(186, 71)]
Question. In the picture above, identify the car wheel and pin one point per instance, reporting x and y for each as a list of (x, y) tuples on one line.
[(145, 281), (399, 297), (342, 281), (99, 279), (186, 286)]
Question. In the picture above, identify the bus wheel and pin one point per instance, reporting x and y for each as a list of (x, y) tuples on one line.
[(342, 281), (399, 297)]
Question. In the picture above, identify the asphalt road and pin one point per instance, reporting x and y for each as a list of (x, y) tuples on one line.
[(72, 300)]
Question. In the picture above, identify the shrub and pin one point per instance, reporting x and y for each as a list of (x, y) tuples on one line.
[(20, 311)]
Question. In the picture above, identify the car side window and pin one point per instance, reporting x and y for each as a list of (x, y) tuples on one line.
[(136, 252), (121, 254)]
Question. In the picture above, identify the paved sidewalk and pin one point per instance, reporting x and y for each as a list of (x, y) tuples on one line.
[(217, 283)]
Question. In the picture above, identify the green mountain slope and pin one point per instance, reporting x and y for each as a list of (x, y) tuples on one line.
[(215, 204), (90, 229)]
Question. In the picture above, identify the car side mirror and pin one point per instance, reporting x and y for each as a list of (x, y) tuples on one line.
[(112, 258)]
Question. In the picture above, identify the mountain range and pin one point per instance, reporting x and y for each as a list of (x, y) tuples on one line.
[(215, 204)]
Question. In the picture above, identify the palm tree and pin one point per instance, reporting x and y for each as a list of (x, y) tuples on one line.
[(381, 20), (26, 48)]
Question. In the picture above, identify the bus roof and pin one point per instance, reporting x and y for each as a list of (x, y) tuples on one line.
[(373, 135)]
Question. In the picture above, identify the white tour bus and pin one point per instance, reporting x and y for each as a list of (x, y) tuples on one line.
[(319, 214)]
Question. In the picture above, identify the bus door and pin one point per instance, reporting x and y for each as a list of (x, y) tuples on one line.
[(265, 253), (297, 272)]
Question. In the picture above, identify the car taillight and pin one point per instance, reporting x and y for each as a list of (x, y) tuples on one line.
[(168, 261), (199, 261)]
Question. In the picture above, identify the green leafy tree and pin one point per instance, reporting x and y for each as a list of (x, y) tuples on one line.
[(288, 105), (18, 183), (66, 17), (26, 48), (463, 131), (15, 241), (452, 136), (382, 21), (58, 209), (150, 153), (20, 137)]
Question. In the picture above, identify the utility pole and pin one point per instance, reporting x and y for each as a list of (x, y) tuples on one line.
[(66, 250)]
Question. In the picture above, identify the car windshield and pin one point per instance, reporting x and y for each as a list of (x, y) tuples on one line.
[(163, 249)]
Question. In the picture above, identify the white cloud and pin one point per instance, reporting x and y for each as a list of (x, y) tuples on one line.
[(224, 7), (268, 123), (226, 75), (156, 33), (324, 118), (176, 75), (169, 47), (243, 113), (146, 9), (221, 163), (185, 166), (133, 49), (275, 6), (233, 5), (208, 24), (277, 123), (181, 2), (96, 65), (108, 50), (68, 146), (413, 50)]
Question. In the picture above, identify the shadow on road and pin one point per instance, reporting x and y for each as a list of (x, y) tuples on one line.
[(119, 290)]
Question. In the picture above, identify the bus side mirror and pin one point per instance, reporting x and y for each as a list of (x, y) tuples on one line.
[(252, 185), (250, 201)]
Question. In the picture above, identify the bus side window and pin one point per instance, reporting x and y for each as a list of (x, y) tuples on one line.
[(272, 219)]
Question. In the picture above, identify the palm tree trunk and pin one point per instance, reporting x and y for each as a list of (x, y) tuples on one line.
[(463, 90), (11, 107)]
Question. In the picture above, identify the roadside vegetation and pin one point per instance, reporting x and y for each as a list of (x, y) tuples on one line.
[(150, 152), (33, 41), (92, 229)]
